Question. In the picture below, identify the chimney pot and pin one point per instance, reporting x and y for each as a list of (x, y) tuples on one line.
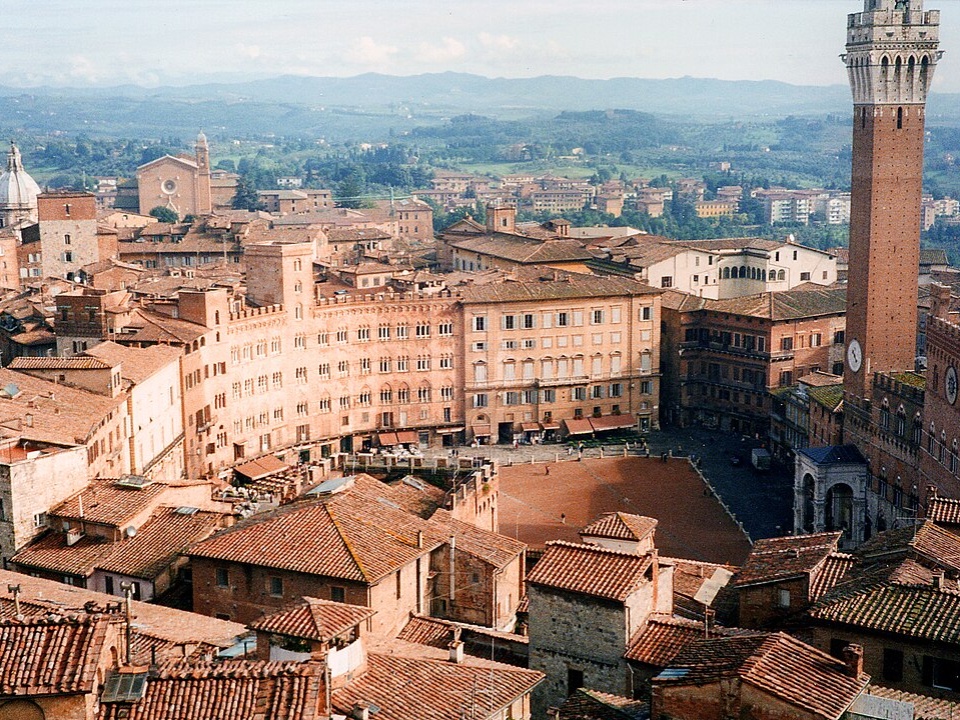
[(853, 659), (456, 652)]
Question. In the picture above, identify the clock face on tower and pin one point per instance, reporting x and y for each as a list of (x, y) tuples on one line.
[(854, 355), (950, 385)]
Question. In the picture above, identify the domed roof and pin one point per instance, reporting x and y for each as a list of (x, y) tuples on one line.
[(17, 188)]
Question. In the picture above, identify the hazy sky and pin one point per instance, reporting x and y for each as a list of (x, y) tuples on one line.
[(106, 42)]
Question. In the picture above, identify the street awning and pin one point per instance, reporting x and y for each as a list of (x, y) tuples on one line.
[(578, 426), (447, 431), (612, 422), (550, 425), (388, 439), (481, 430), (530, 427), (405, 437), (261, 467)]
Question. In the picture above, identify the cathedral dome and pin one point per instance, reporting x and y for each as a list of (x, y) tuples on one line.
[(18, 191)]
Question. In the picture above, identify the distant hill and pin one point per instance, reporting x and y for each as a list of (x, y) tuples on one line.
[(291, 105)]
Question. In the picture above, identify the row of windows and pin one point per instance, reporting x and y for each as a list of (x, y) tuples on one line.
[(549, 395), (559, 368), (563, 318)]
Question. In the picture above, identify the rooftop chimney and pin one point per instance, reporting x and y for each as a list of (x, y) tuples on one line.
[(456, 652), (853, 659), (937, 580), (939, 300), (553, 713)]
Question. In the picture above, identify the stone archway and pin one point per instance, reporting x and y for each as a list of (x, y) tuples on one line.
[(839, 509)]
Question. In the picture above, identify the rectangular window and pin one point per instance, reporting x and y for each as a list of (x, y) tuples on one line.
[(783, 598), (563, 319), (839, 337), (403, 332), (363, 334), (786, 343), (479, 323), (646, 313), (223, 577), (276, 586), (508, 322), (383, 332), (338, 594), (423, 330), (528, 322), (445, 329), (892, 665), (596, 317), (480, 400)]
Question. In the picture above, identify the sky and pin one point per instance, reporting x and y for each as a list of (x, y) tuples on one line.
[(178, 42)]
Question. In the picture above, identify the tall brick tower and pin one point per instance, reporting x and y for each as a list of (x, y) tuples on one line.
[(891, 54)]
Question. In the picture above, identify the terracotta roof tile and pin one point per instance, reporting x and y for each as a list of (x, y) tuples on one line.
[(156, 621), (589, 570), (239, 690), (775, 559), (831, 571), (621, 526), (659, 641), (58, 363), (430, 688), (944, 510), (436, 632), (594, 705), (61, 414), (924, 613), (156, 545), (314, 619), (106, 502), (137, 363), (776, 663), (552, 284), (346, 537), (50, 656)]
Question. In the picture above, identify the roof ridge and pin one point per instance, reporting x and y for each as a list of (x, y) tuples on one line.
[(594, 548), (346, 543)]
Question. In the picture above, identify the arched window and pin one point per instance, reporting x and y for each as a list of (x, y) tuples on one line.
[(781, 275), (917, 430), (942, 451), (953, 457), (901, 422), (726, 273), (931, 438)]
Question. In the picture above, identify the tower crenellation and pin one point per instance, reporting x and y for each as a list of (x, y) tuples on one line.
[(892, 52)]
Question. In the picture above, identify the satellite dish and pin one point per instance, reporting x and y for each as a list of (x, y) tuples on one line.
[(130, 531)]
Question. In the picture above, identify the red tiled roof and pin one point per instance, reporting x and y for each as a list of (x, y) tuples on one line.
[(779, 558), (156, 621), (778, 664), (924, 613), (58, 363), (434, 689), (106, 503), (436, 632), (612, 422), (831, 571), (621, 526), (50, 656), (594, 705), (155, 546), (239, 690), (659, 641), (589, 570), (944, 510), (347, 537), (927, 540), (314, 619), (492, 548)]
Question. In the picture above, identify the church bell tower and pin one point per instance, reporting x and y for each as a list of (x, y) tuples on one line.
[(891, 53)]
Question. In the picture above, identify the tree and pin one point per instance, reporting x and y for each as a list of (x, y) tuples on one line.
[(164, 214), (245, 197)]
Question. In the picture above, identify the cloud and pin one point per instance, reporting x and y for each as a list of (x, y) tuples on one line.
[(365, 51), (82, 68), (498, 42), (447, 50), (249, 51)]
